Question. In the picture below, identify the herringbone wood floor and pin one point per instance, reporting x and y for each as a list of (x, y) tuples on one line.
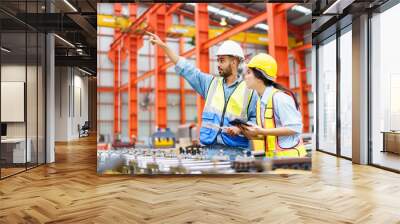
[(69, 191)]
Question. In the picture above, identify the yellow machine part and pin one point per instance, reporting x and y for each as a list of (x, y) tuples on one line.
[(113, 21), (164, 143), (247, 37), (190, 31)]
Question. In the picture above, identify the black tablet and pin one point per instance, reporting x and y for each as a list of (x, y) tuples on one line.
[(238, 122)]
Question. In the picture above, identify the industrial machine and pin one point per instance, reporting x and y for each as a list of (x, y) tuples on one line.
[(118, 143), (163, 139), (189, 161), (187, 137)]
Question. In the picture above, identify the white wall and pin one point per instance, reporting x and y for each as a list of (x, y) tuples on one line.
[(79, 117), (33, 126), (61, 103), (71, 94), (12, 73), (50, 96)]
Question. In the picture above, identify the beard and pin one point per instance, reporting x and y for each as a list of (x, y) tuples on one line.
[(225, 72)]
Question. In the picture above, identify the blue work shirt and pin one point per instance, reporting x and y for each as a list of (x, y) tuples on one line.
[(286, 115), (200, 82)]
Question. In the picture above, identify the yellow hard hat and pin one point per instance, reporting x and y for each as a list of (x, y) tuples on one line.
[(265, 63)]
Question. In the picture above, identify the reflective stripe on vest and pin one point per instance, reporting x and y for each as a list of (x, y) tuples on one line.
[(270, 143), (218, 112)]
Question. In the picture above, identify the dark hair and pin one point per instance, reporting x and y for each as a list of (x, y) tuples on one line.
[(267, 82)]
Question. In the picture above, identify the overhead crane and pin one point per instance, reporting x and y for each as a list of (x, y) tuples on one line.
[(177, 31)]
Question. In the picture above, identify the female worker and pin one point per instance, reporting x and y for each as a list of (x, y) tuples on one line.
[(279, 125)]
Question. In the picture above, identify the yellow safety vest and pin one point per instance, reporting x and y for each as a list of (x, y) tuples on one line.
[(270, 143), (218, 112)]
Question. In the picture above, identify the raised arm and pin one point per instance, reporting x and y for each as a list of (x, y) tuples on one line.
[(155, 40), (198, 80)]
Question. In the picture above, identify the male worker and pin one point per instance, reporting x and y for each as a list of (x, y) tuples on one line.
[(227, 98)]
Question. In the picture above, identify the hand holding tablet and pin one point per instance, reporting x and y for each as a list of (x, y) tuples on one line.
[(239, 122)]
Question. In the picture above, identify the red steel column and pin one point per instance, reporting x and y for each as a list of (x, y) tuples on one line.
[(278, 41), (303, 93), (161, 78), (117, 104), (181, 79), (133, 52), (202, 55)]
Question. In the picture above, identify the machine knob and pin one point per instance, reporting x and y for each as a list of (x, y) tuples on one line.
[(248, 153)]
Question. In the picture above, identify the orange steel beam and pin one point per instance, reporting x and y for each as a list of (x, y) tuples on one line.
[(304, 88), (106, 89), (124, 88), (251, 12), (168, 91), (191, 16), (117, 128), (117, 96), (164, 66), (241, 9), (297, 89), (135, 24), (301, 48), (202, 54), (236, 29), (133, 48), (295, 30), (181, 79), (225, 35), (278, 41), (303, 93), (284, 7), (161, 77), (173, 8)]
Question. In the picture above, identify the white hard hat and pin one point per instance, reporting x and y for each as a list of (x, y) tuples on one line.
[(232, 48)]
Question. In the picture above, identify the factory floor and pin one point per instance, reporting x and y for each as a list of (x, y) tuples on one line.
[(69, 191)]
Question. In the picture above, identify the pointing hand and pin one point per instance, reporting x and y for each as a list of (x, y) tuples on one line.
[(154, 39)]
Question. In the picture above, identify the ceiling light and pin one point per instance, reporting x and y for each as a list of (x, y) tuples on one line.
[(65, 41), (302, 9), (70, 5), (212, 9), (262, 26), (230, 15), (223, 22), (5, 50), (239, 18), (224, 13)]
